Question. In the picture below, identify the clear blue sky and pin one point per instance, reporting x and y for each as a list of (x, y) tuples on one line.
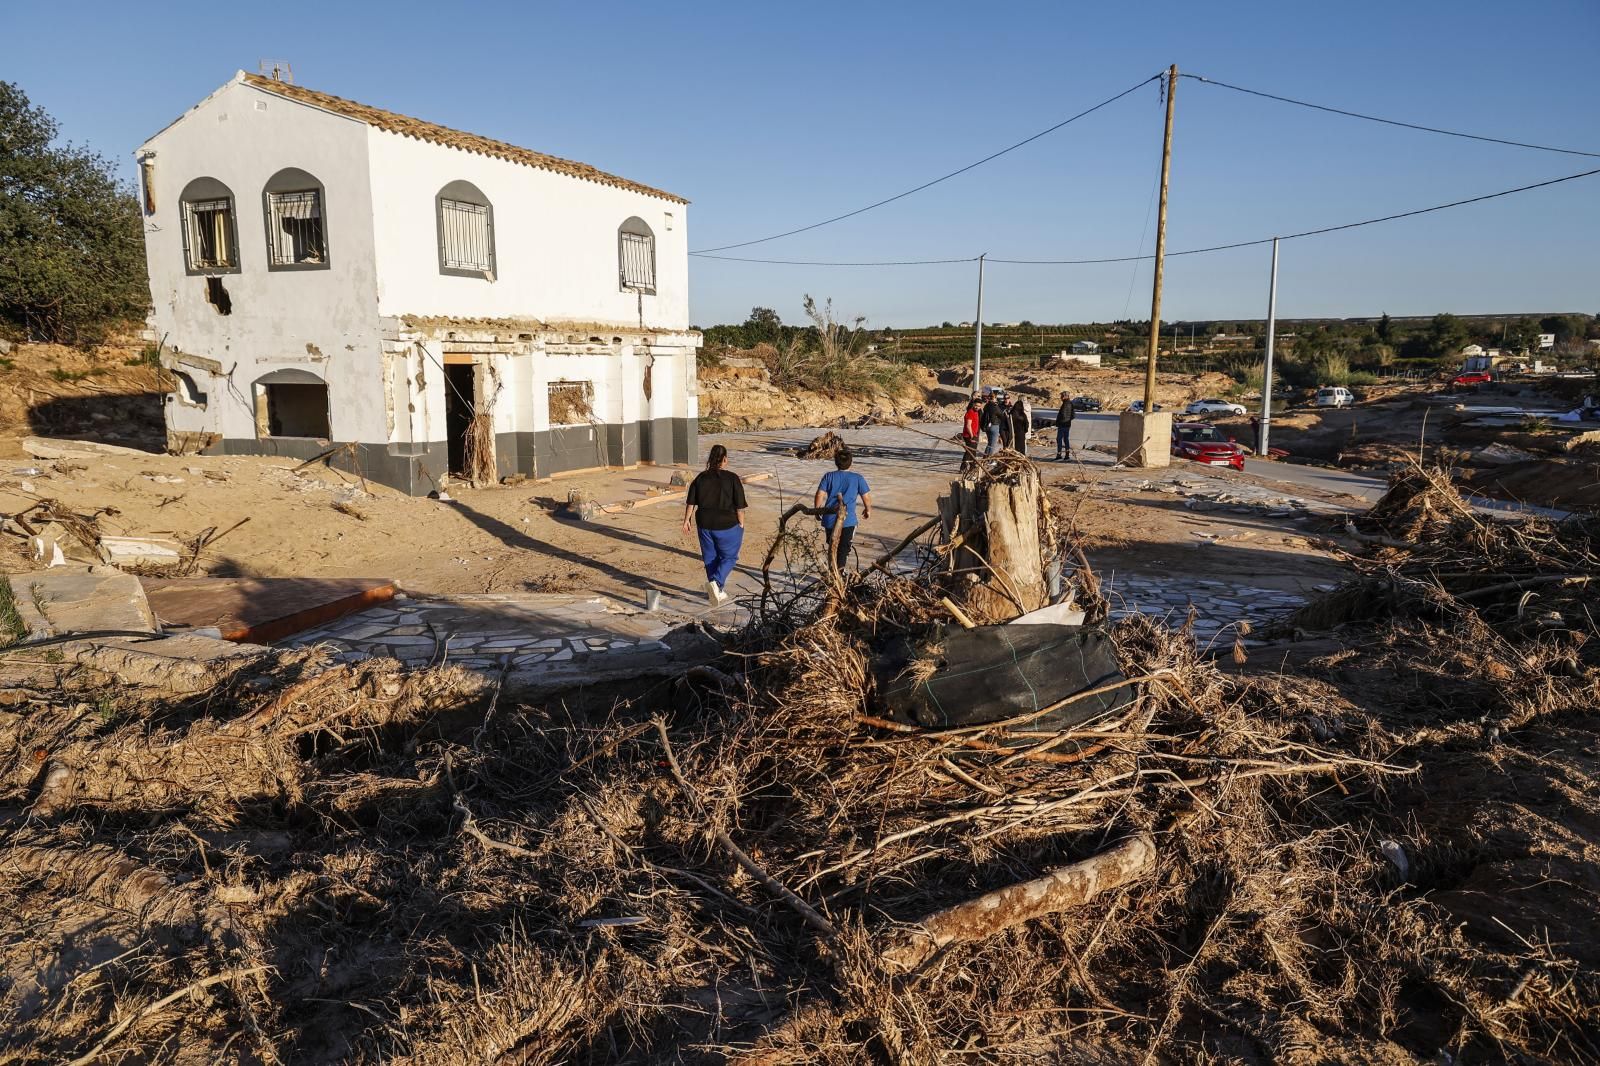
[(770, 116)]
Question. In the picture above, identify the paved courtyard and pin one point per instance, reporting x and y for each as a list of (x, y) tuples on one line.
[(533, 640)]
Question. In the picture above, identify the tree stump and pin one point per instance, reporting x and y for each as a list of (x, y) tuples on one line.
[(998, 567)]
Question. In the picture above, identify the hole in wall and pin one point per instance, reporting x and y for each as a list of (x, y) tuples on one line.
[(218, 297)]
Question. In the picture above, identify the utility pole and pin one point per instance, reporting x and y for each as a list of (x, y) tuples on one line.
[(977, 344), (1266, 374), (1161, 249)]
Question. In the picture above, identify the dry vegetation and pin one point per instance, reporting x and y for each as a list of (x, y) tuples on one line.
[(1386, 856)]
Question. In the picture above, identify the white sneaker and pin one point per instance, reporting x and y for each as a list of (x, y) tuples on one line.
[(719, 597), (713, 593)]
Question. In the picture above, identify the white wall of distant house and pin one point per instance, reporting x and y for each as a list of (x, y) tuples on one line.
[(242, 136), (555, 241)]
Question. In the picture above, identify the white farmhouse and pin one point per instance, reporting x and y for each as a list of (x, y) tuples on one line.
[(329, 274)]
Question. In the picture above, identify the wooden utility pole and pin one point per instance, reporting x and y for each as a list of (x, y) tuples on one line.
[(1161, 250)]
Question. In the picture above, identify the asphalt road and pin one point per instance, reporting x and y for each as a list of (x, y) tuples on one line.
[(1088, 429)]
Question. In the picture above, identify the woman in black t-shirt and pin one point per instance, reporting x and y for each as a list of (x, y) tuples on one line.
[(713, 505)]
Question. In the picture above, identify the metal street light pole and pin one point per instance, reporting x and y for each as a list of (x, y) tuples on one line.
[(977, 344), (1266, 374)]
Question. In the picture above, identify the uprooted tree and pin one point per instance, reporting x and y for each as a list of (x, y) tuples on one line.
[(72, 261)]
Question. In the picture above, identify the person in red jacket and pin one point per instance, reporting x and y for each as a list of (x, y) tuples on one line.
[(970, 427)]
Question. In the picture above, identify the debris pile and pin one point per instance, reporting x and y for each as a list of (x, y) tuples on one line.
[(760, 863), (826, 446)]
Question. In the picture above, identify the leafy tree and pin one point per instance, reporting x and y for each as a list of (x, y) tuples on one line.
[(762, 327), (1565, 327), (947, 325), (71, 244), (1385, 330)]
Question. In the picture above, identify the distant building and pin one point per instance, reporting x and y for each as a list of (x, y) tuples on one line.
[(1084, 347), (963, 325), (1547, 341)]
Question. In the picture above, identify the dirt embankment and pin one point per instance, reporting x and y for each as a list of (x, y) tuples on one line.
[(739, 395), (1115, 388), (110, 393)]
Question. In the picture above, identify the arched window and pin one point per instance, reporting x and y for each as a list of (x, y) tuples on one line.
[(297, 232), (466, 231), (636, 256), (210, 234)]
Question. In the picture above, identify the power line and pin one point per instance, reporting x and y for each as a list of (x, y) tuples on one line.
[(1311, 232), (1186, 251), (817, 263), (1387, 121), (935, 181)]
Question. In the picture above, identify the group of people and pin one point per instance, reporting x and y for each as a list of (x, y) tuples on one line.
[(1006, 423), (715, 505)]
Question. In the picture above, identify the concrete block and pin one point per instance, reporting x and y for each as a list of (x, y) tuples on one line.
[(1145, 440), (61, 601)]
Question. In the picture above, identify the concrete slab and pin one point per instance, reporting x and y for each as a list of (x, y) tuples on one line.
[(61, 601), (261, 610)]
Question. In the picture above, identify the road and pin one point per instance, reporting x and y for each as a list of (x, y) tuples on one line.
[(1091, 429)]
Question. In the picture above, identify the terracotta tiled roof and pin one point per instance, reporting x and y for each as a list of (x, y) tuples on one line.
[(470, 142)]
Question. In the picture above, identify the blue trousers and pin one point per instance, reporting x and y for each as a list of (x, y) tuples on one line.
[(720, 550), (1063, 445), (993, 433)]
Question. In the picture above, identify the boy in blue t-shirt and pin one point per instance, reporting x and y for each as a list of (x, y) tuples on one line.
[(848, 486)]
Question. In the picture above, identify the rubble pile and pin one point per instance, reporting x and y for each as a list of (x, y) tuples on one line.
[(761, 863)]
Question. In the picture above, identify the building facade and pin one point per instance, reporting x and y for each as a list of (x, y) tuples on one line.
[(331, 277)]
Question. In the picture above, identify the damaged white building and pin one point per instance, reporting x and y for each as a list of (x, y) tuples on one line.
[(330, 276)]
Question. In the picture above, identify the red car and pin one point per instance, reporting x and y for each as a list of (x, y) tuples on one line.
[(1472, 377), (1204, 443)]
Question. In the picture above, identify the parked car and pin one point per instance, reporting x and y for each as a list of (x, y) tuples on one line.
[(1472, 377), (1214, 407), (1202, 442), (1085, 403), (1137, 407), (1335, 396)]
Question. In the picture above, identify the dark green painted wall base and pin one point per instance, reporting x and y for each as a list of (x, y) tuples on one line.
[(413, 468)]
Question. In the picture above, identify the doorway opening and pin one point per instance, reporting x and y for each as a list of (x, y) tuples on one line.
[(460, 388)]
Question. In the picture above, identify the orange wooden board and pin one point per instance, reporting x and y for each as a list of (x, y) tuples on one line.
[(262, 609)]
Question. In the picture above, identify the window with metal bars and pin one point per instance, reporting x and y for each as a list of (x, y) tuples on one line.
[(294, 210), (466, 232), (210, 236), (295, 235), (636, 257)]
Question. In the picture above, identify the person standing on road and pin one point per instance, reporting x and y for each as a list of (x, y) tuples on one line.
[(1003, 416), (971, 420), (1020, 428), (992, 417), (842, 486), (1064, 415), (714, 505)]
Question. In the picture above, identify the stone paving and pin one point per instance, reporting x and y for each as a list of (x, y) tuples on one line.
[(1218, 605), (532, 639)]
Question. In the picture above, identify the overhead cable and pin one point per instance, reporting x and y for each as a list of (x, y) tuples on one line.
[(1309, 232), (818, 263), (935, 181), (1387, 121), (1186, 251)]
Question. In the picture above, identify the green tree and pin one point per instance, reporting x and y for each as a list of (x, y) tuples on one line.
[(1565, 327), (71, 243), (762, 327), (1385, 330)]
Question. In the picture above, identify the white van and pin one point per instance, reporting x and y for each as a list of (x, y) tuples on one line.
[(1335, 396)]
